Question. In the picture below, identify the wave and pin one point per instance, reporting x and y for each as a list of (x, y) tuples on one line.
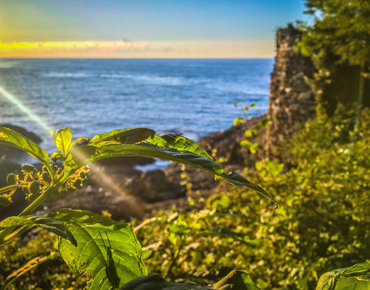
[(65, 75)]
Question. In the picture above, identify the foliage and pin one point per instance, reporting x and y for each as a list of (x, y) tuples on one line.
[(342, 26), (322, 222), (91, 244), (321, 225)]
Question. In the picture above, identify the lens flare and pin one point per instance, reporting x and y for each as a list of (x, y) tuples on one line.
[(24, 109)]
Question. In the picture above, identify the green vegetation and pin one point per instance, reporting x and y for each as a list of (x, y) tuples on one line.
[(321, 225), (107, 251)]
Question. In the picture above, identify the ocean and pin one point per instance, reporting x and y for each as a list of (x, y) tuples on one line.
[(194, 97)]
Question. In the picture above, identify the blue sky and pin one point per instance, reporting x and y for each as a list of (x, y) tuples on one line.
[(158, 24)]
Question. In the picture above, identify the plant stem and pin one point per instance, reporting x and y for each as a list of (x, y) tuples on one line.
[(48, 192), (174, 258)]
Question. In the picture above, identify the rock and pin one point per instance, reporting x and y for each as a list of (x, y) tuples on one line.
[(153, 186), (96, 200), (128, 161), (227, 142), (9, 151)]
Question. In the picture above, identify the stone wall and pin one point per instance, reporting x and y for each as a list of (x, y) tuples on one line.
[(291, 99)]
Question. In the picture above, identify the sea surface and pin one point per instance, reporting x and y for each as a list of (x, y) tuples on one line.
[(194, 97)]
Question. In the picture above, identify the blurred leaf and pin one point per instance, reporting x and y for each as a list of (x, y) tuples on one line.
[(264, 123), (226, 232), (251, 133), (238, 121)]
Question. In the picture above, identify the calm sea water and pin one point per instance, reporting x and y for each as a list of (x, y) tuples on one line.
[(92, 96)]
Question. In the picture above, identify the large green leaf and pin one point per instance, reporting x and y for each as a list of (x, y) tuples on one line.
[(237, 280), (124, 136), (351, 278), (43, 221), (187, 158), (62, 138), (182, 143), (14, 139), (105, 249)]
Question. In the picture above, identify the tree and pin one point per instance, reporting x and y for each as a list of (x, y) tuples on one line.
[(338, 40)]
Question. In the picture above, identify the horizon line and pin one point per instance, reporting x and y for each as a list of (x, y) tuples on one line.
[(184, 58)]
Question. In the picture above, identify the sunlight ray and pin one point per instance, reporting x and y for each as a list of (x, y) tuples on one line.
[(24, 109)]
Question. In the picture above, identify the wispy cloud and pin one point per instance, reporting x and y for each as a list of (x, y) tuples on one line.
[(126, 48)]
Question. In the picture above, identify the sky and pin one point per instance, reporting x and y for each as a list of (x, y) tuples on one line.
[(144, 28)]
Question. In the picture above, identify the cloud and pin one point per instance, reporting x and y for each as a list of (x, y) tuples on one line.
[(129, 49)]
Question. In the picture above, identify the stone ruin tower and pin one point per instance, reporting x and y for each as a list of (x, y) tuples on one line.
[(292, 101)]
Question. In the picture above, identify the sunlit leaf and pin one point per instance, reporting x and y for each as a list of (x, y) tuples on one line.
[(251, 133), (46, 222), (124, 136), (356, 277), (182, 143), (97, 235), (62, 138), (14, 139), (238, 121)]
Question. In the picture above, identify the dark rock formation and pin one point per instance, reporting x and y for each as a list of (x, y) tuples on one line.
[(227, 142), (291, 98)]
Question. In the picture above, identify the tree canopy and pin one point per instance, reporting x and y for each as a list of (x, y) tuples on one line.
[(343, 26)]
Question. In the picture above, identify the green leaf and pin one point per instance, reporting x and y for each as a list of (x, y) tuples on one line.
[(238, 121), (105, 249), (259, 165), (264, 123), (237, 280), (124, 136), (251, 133), (62, 138), (246, 143), (351, 278), (186, 158), (14, 139), (182, 143), (226, 232), (252, 147), (178, 229), (43, 221)]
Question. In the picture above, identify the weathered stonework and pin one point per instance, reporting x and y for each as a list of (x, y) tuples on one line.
[(291, 99)]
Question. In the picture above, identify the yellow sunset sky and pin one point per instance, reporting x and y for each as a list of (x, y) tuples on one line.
[(142, 29)]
